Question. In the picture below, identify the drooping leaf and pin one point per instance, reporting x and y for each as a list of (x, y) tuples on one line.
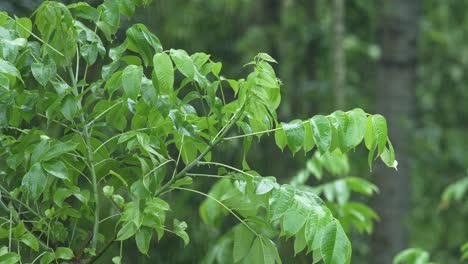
[(35, 181), (183, 63), (131, 80), (356, 128), (164, 72), (380, 132), (335, 246), (179, 230), (64, 253), (143, 239), (280, 138), (295, 134), (321, 129), (280, 201), (142, 41), (127, 230), (57, 169), (243, 238)]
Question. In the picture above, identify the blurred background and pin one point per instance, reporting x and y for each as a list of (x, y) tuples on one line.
[(407, 60)]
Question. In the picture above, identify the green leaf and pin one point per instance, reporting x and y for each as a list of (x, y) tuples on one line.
[(84, 10), (309, 141), (292, 221), (388, 156), (265, 185), (58, 149), (47, 258), (127, 7), (69, 107), (89, 52), (164, 72), (10, 258), (131, 80), (280, 201), (380, 131), (179, 230), (30, 240), (265, 56), (35, 181), (23, 27), (183, 63), (143, 239), (295, 135), (57, 169), (335, 246), (10, 70), (260, 254), (356, 128), (142, 41), (243, 238), (322, 131), (117, 260), (63, 253), (127, 230), (369, 135), (183, 182), (300, 242), (109, 19), (114, 83), (280, 138)]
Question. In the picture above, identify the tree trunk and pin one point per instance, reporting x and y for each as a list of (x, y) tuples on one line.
[(396, 87), (338, 54)]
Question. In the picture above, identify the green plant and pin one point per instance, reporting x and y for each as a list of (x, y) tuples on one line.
[(94, 137)]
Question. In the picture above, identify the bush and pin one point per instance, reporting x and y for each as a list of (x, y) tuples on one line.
[(94, 136)]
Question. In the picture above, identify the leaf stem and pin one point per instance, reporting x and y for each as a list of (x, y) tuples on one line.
[(222, 204)]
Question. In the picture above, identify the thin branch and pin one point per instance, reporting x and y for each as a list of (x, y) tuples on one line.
[(208, 175), (214, 142), (226, 166)]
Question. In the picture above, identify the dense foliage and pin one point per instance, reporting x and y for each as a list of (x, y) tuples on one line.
[(96, 134)]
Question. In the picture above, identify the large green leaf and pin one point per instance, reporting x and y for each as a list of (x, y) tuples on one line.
[(280, 138), (183, 63), (56, 168), (295, 134), (380, 131), (164, 71), (356, 128), (143, 239), (260, 253), (322, 131), (281, 200), (63, 253), (127, 230), (9, 70), (35, 181), (243, 238), (335, 247), (142, 41), (131, 80)]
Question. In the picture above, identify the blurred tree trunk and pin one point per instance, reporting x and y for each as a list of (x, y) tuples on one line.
[(338, 54), (396, 87)]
